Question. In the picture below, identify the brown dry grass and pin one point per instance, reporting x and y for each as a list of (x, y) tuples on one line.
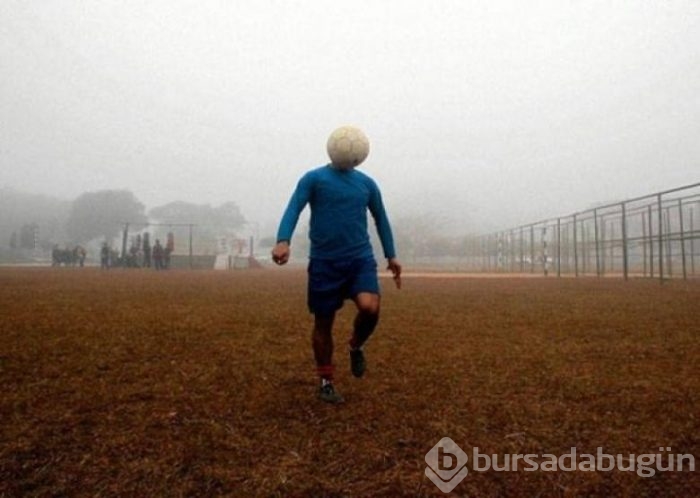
[(201, 383)]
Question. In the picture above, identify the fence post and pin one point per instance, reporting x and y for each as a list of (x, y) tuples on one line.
[(585, 237), (692, 241), (494, 251), (558, 247), (566, 248), (644, 241), (611, 267), (651, 241), (603, 238), (680, 217), (511, 251), (191, 263), (669, 241), (488, 253), (595, 235), (522, 252), (575, 247), (625, 261), (532, 248), (661, 241)]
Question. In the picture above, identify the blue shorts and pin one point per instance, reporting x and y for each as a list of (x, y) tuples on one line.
[(332, 282)]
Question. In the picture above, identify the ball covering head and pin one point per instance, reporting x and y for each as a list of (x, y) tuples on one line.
[(347, 147)]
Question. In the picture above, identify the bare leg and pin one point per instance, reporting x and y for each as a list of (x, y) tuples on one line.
[(322, 342), (366, 318), (365, 323)]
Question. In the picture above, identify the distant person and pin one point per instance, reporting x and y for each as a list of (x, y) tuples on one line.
[(169, 248), (158, 255), (82, 253), (341, 262), (146, 250), (55, 256), (104, 256), (133, 258), (166, 257)]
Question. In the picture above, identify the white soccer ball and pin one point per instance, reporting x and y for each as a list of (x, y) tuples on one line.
[(347, 147)]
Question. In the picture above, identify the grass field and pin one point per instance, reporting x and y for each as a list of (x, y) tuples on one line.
[(201, 383)]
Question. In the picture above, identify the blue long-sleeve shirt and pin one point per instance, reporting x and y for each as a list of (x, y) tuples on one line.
[(339, 200)]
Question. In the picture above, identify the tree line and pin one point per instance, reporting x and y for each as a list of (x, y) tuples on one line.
[(34, 221)]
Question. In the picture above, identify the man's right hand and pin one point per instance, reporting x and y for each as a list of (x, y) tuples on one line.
[(281, 252)]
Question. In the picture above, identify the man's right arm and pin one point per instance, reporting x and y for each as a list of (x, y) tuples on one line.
[(299, 199)]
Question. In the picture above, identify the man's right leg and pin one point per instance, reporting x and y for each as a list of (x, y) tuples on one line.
[(322, 341), (325, 297)]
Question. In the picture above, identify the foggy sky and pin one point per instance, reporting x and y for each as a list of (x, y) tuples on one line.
[(486, 113)]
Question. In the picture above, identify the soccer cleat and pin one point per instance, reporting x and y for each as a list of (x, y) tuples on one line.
[(327, 393), (357, 362)]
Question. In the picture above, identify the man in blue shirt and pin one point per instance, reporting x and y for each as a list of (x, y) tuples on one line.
[(341, 261)]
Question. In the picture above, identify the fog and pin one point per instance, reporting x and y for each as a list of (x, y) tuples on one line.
[(482, 114)]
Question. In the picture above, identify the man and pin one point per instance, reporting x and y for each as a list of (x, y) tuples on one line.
[(158, 255), (341, 263), (146, 250), (104, 256), (82, 254)]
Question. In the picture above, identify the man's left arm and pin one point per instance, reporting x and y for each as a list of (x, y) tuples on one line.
[(381, 220)]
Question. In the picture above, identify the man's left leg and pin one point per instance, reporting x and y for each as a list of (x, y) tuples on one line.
[(365, 322)]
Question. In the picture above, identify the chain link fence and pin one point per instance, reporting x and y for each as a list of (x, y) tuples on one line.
[(655, 235)]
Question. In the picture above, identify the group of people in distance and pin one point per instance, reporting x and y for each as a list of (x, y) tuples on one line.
[(68, 257), (141, 254)]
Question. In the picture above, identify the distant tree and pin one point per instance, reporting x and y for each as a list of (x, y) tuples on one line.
[(209, 222), (18, 208), (212, 221), (229, 214), (103, 214)]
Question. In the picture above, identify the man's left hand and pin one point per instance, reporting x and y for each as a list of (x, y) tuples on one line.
[(395, 268)]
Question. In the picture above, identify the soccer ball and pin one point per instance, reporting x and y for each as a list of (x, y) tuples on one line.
[(347, 147)]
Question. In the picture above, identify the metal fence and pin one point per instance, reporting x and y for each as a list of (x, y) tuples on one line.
[(655, 235), (185, 245)]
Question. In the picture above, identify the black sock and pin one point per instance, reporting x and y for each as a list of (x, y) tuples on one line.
[(365, 323)]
